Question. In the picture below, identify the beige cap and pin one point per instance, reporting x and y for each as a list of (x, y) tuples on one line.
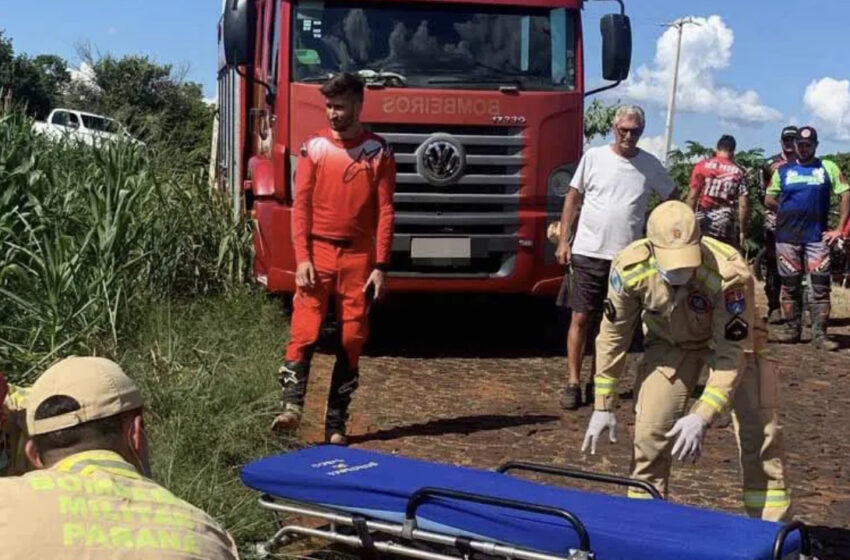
[(99, 385), (673, 231)]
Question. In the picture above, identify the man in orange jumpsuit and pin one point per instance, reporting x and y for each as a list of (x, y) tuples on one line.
[(342, 227)]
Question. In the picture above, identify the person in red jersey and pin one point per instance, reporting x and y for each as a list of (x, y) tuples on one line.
[(342, 227), (718, 192)]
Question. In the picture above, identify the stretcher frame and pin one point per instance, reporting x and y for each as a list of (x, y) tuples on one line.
[(359, 532)]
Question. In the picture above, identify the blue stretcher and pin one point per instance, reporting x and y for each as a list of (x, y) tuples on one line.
[(434, 511)]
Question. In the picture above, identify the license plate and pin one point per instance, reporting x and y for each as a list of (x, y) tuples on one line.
[(440, 248)]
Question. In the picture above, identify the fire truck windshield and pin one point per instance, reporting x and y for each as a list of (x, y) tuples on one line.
[(436, 45)]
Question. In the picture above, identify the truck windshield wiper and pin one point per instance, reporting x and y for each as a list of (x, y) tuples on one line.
[(310, 79), (383, 78), (508, 82)]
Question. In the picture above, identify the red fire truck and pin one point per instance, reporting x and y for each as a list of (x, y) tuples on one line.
[(481, 100)]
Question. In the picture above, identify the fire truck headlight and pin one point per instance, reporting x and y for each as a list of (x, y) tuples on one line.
[(559, 181), (557, 189)]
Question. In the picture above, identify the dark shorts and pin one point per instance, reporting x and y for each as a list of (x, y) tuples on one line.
[(586, 285)]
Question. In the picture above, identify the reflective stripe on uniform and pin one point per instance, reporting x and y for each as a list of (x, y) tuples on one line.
[(714, 398), (639, 272), (725, 250), (16, 399), (604, 385), (89, 462), (766, 498), (638, 494)]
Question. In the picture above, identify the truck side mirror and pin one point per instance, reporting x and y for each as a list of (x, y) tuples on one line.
[(238, 31), (616, 46)]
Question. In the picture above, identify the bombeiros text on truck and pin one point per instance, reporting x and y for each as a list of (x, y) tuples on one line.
[(482, 102)]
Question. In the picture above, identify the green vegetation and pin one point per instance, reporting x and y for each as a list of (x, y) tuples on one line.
[(91, 236), (153, 100), (598, 119), (207, 369), (121, 251)]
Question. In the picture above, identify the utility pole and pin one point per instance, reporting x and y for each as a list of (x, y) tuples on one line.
[(671, 103)]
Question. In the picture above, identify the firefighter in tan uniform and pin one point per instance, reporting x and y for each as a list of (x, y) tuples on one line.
[(89, 497), (13, 461), (694, 296)]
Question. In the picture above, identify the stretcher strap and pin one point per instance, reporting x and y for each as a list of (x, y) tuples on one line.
[(362, 530), (464, 546)]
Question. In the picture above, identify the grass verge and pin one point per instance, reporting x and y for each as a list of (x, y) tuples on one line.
[(207, 370)]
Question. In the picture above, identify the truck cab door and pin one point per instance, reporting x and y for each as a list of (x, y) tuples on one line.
[(262, 112)]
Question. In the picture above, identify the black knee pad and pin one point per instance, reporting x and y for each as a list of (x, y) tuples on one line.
[(821, 285), (791, 282)]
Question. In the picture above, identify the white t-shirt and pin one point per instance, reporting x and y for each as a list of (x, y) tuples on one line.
[(616, 194)]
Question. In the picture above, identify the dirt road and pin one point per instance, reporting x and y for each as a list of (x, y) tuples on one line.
[(477, 383)]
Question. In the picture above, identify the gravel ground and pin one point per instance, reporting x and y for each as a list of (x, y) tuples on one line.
[(482, 387)]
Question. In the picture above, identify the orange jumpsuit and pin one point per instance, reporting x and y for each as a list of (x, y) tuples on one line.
[(342, 221)]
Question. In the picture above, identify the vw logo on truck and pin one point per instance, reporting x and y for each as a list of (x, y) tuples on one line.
[(441, 160)]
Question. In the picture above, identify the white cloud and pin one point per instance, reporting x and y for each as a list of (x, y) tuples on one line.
[(828, 101), (706, 50), (211, 100), (654, 145)]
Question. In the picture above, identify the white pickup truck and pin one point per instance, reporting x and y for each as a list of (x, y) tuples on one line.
[(85, 127)]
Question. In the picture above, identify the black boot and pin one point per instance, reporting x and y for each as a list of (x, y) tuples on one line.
[(344, 381), (293, 378), (820, 318), (790, 330)]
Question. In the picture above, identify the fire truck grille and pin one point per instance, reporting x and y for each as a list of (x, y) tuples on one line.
[(481, 205)]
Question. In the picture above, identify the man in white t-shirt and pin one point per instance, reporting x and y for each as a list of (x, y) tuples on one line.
[(611, 186)]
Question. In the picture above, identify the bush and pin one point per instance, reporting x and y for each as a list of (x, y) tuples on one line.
[(91, 236)]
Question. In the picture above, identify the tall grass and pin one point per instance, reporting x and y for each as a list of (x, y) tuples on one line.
[(91, 236), (207, 367), (125, 252)]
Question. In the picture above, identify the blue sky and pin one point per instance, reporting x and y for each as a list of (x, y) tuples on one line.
[(745, 72)]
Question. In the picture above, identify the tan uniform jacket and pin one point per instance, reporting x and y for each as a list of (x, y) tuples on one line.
[(13, 461), (708, 313), (94, 505)]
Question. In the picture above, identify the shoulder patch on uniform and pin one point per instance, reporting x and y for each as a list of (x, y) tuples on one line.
[(609, 310), (736, 329), (735, 300), (616, 281)]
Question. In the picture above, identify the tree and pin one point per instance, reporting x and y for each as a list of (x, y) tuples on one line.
[(681, 162), (842, 159), (152, 100), (38, 83), (598, 119)]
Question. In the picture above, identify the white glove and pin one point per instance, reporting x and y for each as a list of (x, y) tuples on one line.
[(690, 429), (599, 420)]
